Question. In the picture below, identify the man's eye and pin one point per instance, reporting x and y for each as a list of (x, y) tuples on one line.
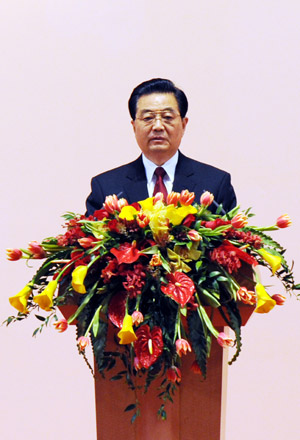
[(148, 118)]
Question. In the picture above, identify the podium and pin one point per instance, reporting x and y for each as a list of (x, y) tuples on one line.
[(198, 410)]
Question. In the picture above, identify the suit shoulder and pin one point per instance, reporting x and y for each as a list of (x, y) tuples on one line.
[(119, 171), (203, 167)]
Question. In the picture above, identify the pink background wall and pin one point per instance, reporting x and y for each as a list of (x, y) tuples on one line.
[(67, 69)]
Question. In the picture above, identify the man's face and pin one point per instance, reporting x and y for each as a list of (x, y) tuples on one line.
[(158, 126)]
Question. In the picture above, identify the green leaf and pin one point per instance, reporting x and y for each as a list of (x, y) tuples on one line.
[(41, 318), (130, 407)]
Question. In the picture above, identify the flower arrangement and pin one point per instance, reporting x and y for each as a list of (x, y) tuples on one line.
[(149, 270)]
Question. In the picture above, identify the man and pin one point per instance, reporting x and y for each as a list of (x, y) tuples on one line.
[(158, 111)]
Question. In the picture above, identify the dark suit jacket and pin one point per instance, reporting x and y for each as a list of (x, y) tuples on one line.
[(129, 181)]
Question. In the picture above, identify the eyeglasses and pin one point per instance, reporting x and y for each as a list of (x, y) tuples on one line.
[(166, 117)]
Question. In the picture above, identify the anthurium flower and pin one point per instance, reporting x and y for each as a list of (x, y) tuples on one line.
[(19, 301), (180, 288), (284, 221), (273, 260), (127, 253), (182, 347), (117, 309), (14, 254), (78, 277), (149, 345), (264, 301), (126, 334), (224, 340), (44, 299)]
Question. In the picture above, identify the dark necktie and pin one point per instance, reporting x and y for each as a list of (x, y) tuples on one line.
[(159, 184)]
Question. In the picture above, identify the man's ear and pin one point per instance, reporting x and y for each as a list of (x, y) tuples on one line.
[(184, 122), (133, 124)]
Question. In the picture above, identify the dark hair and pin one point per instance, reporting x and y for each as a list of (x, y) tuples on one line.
[(157, 85)]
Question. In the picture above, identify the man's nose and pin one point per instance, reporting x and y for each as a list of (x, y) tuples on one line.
[(157, 124)]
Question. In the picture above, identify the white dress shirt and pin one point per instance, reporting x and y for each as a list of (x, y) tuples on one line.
[(169, 168)]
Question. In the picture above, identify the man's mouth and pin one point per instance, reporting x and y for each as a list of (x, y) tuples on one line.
[(157, 138)]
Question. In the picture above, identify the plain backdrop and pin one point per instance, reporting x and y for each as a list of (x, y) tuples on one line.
[(67, 70)]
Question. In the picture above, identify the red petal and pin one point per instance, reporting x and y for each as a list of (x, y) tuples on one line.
[(127, 253), (116, 309), (141, 345), (180, 293)]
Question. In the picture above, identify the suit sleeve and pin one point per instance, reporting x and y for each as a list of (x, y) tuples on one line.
[(96, 198), (226, 194)]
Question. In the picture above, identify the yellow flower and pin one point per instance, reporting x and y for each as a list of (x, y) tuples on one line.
[(19, 301), (78, 277), (273, 260), (176, 263), (187, 254), (126, 334), (128, 213), (264, 302), (44, 299), (176, 215)]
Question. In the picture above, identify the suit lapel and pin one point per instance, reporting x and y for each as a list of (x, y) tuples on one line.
[(184, 174), (135, 185)]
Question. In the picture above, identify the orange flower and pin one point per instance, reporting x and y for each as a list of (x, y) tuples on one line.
[(142, 219), (280, 299), (182, 346), (283, 221), (155, 260), (111, 204), (173, 198), (83, 342), (206, 199), (14, 254), (194, 235), (36, 249), (186, 197), (246, 296), (137, 317), (195, 368), (239, 221), (174, 374), (224, 340), (61, 326)]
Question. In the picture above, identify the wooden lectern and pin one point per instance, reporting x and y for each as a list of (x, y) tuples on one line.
[(196, 413)]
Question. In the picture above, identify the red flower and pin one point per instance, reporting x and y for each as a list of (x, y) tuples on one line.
[(116, 309), (229, 256), (61, 325), (280, 299), (137, 317), (180, 288), (111, 270), (182, 347), (83, 342), (284, 221), (173, 198), (87, 242), (149, 345), (174, 374), (14, 254), (127, 253), (142, 219), (206, 199), (100, 214), (135, 280), (195, 368), (189, 220), (36, 249), (213, 224), (186, 198), (114, 226), (246, 296), (224, 340), (239, 221)]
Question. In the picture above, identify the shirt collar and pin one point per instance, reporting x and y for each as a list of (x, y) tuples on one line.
[(168, 166)]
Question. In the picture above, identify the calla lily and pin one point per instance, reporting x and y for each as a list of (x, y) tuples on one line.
[(273, 260), (19, 301), (126, 334), (264, 302), (78, 277), (44, 299), (128, 213)]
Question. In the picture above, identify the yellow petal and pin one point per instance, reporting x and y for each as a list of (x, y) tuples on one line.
[(264, 302), (45, 298), (273, 260), (19, 301), (78, 277), (126, 334), (128, 213), (176, 215), (147, 204)]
